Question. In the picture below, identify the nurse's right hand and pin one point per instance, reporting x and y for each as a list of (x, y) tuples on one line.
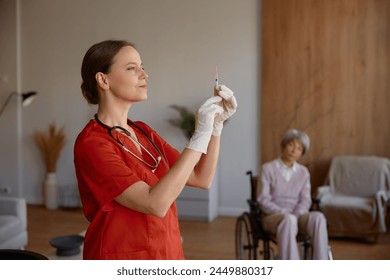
[(229, 104), (204, 124)]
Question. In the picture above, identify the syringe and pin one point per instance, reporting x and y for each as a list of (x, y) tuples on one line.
[(216, 76)]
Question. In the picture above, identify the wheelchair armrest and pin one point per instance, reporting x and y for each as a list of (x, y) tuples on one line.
[(315, 204), (255, 207)]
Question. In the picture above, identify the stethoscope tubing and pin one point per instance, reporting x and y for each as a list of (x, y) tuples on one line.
[(130, 123)]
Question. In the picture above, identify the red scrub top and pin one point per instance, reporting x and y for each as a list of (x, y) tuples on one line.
[(104, 170)]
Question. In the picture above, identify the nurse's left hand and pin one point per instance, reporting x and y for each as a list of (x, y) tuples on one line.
[(229, 104)]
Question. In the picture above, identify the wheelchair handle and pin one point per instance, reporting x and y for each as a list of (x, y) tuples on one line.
[(253, 185)]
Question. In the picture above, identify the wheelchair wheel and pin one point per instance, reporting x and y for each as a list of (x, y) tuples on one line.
[(245, 241)]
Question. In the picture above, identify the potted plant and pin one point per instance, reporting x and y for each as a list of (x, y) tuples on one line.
[(50, 144), (186, 120)]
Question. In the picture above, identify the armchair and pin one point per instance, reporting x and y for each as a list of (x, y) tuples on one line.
[(13, 223), (355, 201)]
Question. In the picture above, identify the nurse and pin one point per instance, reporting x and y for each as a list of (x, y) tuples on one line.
[(285, 198), (128, 176)]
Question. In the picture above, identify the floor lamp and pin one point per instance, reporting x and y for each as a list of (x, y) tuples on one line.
[(26, 99)]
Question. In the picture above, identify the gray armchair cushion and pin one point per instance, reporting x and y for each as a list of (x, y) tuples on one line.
[(13, 223), (359, 175), (355, 201), (9, 227)]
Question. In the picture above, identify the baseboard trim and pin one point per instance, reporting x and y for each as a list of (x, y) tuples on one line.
[(231, 212)]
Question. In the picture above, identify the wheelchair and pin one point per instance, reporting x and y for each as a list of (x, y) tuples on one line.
[(249, 231)]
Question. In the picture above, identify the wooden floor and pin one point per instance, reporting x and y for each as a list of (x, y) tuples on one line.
[(201, 240)]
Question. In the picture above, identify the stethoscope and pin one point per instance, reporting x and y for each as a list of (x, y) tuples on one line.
[(122, 129)]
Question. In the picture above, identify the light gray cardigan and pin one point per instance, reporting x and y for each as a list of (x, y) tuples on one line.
[(277, 195)]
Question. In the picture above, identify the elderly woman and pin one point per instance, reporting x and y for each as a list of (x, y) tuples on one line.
[(285, 198)]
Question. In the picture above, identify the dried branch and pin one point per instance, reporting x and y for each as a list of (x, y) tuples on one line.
[(50, 144)]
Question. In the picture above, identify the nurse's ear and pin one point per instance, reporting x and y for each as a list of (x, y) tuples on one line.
[(102, 80)]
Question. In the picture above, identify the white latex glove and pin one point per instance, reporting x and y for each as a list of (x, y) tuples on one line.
[(204, 124), (229, 104)]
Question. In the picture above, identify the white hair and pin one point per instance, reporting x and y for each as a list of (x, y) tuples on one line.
[(296, 134)]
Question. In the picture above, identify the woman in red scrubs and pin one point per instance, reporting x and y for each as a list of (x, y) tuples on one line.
[(128, 176)]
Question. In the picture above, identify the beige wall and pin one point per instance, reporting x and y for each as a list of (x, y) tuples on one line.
[(8, 84), (180, 41)]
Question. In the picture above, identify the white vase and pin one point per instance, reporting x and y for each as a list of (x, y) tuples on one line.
[(50, 191)]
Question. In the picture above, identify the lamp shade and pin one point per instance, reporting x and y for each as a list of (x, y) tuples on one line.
[(27, 98)]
